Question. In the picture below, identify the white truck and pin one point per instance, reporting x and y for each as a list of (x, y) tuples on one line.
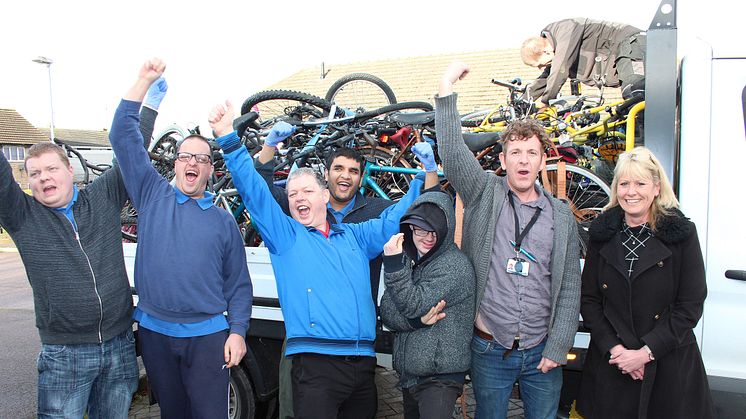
[(695, 122)]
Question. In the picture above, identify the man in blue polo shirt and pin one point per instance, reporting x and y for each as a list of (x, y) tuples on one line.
[(190, 269)]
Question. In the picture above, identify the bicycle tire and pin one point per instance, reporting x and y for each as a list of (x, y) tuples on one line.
[(586, 192), (272, 105), (163, 150), (476, 118), (395, 185), (360, 92)]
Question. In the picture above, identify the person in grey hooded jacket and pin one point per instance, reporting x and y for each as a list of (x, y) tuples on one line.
[(429, 303)]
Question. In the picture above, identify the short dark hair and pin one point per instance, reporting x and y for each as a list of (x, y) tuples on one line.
[(178, 144), (523, 130), (346, 152)]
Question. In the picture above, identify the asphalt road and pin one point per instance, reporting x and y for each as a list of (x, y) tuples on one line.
[(19, 341)]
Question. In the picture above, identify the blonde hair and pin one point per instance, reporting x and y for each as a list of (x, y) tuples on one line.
[(38, 149), (641, 163), (532, 48)]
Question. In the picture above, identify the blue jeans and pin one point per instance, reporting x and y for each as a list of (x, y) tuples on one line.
[(99, 378), (493, 378)]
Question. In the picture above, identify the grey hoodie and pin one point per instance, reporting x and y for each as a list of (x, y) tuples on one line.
[(412, 288)]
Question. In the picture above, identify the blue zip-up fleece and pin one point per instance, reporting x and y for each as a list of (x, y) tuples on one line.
[(323, 283), (190, 264)]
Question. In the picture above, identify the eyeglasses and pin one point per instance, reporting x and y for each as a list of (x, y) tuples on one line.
[(185, 157), (423, 233)]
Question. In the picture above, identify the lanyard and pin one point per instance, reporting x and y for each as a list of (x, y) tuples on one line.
[(519, 237)]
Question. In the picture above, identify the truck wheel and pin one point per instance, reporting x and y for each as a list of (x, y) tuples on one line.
[(241, 404)]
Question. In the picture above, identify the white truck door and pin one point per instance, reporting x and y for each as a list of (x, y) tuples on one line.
[(723, 337)]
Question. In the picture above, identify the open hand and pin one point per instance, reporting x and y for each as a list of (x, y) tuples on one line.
[(435, 314)]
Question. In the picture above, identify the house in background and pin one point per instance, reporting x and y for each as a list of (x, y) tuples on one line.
[(16, 136), (93, 145), (417, 78)]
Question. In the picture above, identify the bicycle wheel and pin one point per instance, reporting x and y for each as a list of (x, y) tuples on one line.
[(587, 194), (360, 92), (394, 185), (163, 150), (476, 118), (272, 105)]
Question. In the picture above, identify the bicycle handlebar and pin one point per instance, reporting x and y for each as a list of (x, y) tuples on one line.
[(514, 84)]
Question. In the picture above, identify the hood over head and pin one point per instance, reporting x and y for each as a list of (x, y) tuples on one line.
[(433, 211)]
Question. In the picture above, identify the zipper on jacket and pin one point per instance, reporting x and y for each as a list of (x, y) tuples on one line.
[(95, 284)]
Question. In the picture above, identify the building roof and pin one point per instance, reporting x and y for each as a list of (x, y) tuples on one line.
[(416, 78), (81, 137), (15, 129)]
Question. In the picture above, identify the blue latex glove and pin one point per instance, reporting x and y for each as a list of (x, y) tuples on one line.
[(156, 93), (424, 152), (279, 132)]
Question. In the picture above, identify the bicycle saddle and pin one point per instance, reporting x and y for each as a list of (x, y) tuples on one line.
[(413, 118), (478, 141)]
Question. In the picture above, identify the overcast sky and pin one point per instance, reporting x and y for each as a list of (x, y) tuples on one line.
[(230, 49)]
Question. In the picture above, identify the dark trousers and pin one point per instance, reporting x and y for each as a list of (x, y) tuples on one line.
[(187, 374), (431, 398), (327, 386)]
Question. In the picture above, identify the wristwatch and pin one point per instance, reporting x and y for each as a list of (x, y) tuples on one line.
[(650, 353)]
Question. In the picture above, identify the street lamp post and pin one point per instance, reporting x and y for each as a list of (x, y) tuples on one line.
[(48, 62)]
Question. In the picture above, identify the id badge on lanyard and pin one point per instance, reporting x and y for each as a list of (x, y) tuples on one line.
[(517, 265)]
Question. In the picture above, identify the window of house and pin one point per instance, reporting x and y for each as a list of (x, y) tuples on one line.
[(14, 152)]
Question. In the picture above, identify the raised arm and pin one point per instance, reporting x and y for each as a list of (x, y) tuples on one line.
[(275, 227), (13, 202), (459, 165), (140, 177), (265, 161)]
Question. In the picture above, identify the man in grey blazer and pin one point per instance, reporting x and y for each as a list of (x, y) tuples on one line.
[(524, 246)]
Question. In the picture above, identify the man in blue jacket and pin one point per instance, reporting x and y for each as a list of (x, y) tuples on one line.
[(321, 268), (190, 268)]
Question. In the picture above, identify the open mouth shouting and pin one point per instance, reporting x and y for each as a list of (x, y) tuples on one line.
[(303, 210), (191, 176), (49, 190)]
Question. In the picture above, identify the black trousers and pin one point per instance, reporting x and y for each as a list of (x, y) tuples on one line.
[(328, 386), (187, 374), (431, 399)]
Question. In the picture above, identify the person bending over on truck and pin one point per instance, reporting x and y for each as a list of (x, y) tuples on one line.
[(190, 269), (592, 51), (71, 246), (344, 177), (423, 268), (322, 273)]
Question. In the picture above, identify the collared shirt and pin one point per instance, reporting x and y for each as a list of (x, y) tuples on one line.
[(181, 330), (339, 215), (515, 306), (67, 210), (205, 202)]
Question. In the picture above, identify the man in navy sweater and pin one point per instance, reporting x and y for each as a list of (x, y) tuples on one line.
[(190, 269)]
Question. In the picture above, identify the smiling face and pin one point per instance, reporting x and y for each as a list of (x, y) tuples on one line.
[(522, 159), (636, 196), (307, 201), (424, 240), (50, 179), (191, 177), (344, 180)]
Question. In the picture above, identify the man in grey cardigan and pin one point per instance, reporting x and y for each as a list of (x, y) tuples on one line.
[(524, 246)]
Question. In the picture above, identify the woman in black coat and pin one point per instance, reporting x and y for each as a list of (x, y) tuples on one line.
[(643, 292)]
